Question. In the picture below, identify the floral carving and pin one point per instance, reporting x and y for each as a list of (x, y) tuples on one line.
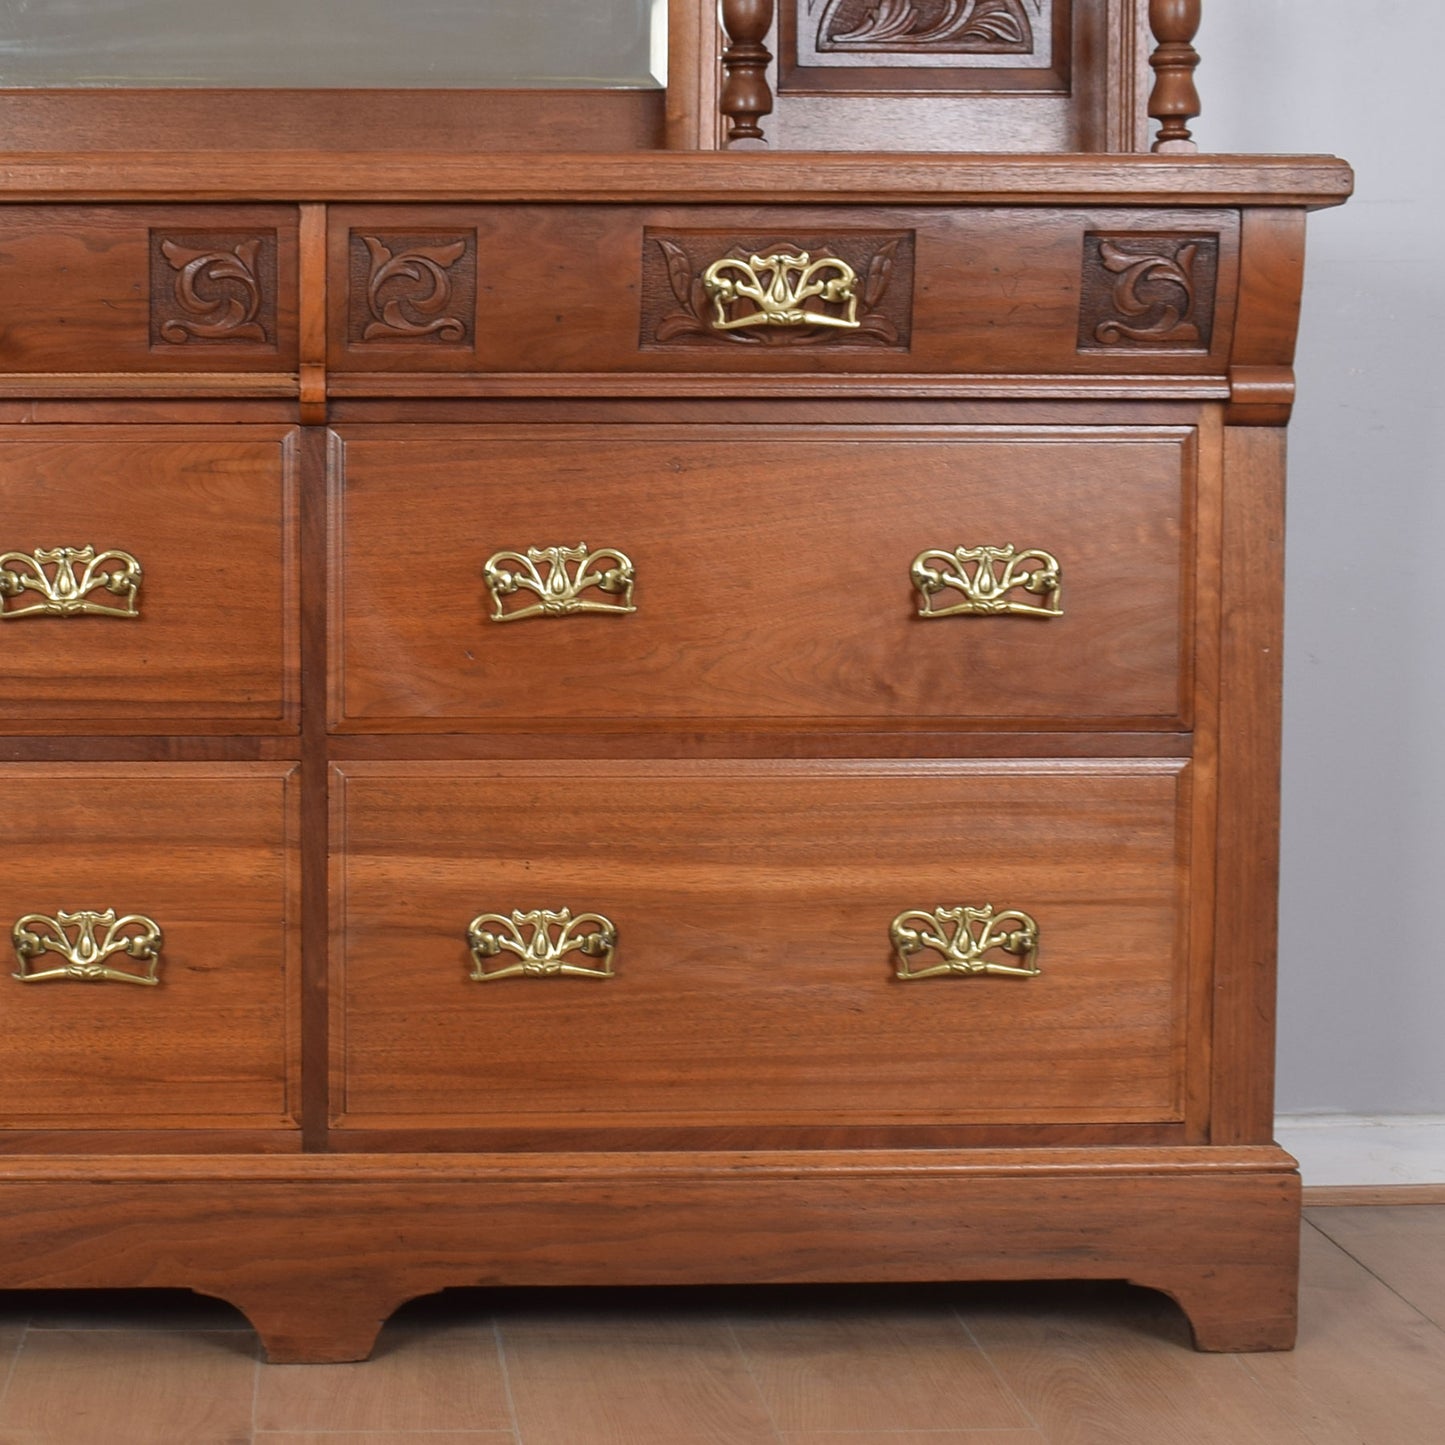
[(208, 287), (414, 288), (1142, 291), (950, 26), (839, 290)]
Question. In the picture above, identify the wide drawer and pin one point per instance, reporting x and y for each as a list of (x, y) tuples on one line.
[(149, 920), (148, 577), (751, 917), (778, 290), (148, 289), (763, 573)]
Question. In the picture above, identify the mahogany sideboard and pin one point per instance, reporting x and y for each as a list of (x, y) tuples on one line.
[(646, 718)]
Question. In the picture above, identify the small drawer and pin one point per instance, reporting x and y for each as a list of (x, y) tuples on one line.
[(148, 289), (147, 578), (736, 938), (149, 916), (969, 576)]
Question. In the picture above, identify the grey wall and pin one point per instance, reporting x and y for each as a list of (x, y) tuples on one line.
[(1362, 1025)]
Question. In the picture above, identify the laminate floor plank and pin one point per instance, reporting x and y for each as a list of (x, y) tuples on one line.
[(446, 1378), (1104, 1365), (900, 1366), (580, 1374), (385, 1437), (1369, 1369), (131, 1387), (915, 1437), (1402, 1245)]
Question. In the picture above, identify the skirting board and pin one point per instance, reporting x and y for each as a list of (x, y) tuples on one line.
[(1385, 1159)]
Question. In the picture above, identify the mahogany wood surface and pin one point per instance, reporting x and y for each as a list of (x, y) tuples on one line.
[(888, 178), (1218, 1229), (91, 289), (569, 300), (762, 592), (209, 513), (755, 981), (208, 852)]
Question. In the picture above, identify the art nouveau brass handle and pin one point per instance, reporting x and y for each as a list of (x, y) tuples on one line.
[(50, 577), (963, 938), (775, 290), (553, 581), (542, 942), (90, 946), (988, 582)]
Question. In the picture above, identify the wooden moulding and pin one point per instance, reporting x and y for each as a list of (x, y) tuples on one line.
[(317, 1251)]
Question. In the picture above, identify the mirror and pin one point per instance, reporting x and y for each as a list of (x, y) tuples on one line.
[(307, 44)]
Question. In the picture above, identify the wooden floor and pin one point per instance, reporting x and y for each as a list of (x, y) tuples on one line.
[(974, 1365)]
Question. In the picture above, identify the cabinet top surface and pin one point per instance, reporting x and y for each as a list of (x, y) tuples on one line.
[(1308, 181)]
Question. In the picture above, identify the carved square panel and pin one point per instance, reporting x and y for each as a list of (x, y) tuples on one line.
[(211, 288), (1146, 292), (719, 289), (413, 289)]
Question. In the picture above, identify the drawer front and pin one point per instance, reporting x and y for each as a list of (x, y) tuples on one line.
[(780, 290), (148, 289), (748, 913), (148, 577), (117, 874), (772, 573)]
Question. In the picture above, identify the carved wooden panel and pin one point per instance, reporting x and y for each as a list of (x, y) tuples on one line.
[(415, 289), (1148, 292), (903, 32), (707, 289), (213, 287)]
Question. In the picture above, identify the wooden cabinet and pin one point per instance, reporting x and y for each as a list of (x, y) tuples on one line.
[(648, 719)]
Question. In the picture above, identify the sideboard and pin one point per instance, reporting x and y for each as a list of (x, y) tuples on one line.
[(643, 718)]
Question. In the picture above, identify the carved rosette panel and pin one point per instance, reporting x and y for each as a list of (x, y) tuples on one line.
[(680, 312), (419, 290), (1148, 292), (966, 33), (213, 287)]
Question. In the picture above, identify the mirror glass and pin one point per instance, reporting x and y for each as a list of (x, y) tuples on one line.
[(333, 43)]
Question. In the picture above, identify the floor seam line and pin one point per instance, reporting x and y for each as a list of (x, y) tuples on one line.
[(1409, 1303)]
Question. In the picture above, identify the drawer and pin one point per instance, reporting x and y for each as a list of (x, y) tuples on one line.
[(148, 577), (148, 288), (749, 913), (186, 875), (877, 290), (771, 573)]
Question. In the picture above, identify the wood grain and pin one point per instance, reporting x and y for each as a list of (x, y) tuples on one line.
[(752, 904), (209, 853), (778, 599), (77, 288), (209, 513)]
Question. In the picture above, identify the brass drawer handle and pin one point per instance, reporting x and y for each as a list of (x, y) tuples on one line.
[(542, 941), (774, 290), (964, 937), (987, 581), (50, 574), (87, 942), (557, 577)]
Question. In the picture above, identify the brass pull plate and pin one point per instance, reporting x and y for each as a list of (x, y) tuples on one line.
[(544, 943), (62, 581), (90, 945), (554, 581), (964, 938), (988, 582)]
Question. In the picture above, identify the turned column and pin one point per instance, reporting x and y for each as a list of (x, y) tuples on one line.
[(746, 96), (1175, 101)]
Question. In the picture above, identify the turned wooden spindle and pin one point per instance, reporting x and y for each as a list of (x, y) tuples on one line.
[(746, 96), (1175, 101)]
